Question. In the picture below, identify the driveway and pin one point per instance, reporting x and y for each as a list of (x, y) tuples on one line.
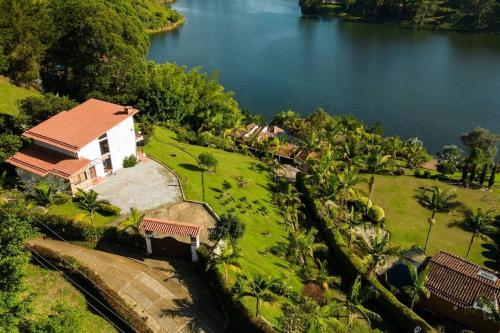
[(145, 186), (170, 299)]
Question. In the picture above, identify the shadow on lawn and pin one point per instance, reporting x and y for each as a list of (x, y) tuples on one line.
[(492, 254), (190, 167)]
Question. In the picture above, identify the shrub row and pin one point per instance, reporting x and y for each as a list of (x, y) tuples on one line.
[(55, 226), (240, 319), (353, 266), (72, 266)]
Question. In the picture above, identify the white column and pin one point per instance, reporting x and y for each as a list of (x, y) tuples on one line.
[(149, 247), (195, 243)]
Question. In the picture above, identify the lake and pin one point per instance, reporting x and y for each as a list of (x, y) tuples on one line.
[(429, 84)]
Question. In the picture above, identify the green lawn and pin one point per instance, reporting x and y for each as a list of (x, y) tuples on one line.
[(69, 210), (47, 288), (10, 93), (407, 220), (179, 157)]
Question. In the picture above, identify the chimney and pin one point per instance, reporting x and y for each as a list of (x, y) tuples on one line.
[(128, 110)]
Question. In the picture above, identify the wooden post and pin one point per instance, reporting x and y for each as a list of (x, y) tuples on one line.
[(149, 248)]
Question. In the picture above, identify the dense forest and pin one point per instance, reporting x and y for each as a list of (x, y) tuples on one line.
[(443, 14), (97, 49)]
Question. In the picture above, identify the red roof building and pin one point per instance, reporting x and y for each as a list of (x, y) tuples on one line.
[(456, 285), (73, 148)]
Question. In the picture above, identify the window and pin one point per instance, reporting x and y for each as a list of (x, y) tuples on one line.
[(103, 144), (80, 178), (107, 164)]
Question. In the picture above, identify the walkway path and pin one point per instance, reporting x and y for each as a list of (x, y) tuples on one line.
[(166, 302)]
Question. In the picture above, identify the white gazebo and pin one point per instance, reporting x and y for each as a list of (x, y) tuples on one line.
[(153, 227)]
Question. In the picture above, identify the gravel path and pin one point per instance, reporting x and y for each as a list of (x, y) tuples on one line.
[(145, 186)]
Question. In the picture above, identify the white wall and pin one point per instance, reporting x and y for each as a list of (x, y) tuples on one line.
[(92, 151), (122, 144)]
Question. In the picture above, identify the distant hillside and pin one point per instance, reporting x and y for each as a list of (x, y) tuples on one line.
[(10, 94)]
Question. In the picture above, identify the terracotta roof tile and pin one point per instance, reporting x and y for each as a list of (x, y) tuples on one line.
[(458, 281), (170, 227), (73, 129), (42, 161)]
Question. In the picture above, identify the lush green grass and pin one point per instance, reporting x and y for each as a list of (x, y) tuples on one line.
[(179, 157), (47, 288), (9, 94), (69, 210), (407, 220)]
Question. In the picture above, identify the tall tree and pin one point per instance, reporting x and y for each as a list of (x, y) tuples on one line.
[(15, 228), (375, 162), (259, 287), (89, 202), (377, 249), (228, 227), (417, 286), (438, 201), (480, 224)]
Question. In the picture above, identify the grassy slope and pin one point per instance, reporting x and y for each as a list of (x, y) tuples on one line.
[(69, 209), (47, 288), (407, 220), (9, 94), (161, 146)]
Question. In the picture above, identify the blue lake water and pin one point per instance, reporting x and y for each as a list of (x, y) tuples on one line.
[(429, 84)]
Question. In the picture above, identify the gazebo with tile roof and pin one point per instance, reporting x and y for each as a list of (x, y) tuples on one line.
[(152, 227)]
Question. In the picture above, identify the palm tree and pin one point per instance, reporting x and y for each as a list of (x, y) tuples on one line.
[(290, 200), (306, 245), (355, 299), (395, 147), (89, 202), (479, 223), (377, 249), (347, 179), (133, 220), (43, 195), (375, 162), (226, 257), (438, 201), (259, 288), (353, 220), (489, 309), (417, 286), (324, 278)]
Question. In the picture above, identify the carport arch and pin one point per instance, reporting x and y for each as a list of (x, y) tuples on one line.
[(152, 226)]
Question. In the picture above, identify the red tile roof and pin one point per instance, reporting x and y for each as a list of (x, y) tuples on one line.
[(170, 227), (42, 161), (73, 129), (458, 281)]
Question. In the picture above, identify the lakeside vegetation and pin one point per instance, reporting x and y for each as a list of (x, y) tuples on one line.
[(462, 15)]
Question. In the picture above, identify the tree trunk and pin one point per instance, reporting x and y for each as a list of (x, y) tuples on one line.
[(482, 178), (470, 245), (428, 233), (491, 181), (370, 191), (472, 175), (257, 307), (412, 302), (465, 169)]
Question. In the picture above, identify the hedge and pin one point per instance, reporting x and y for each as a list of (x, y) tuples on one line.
[(352, 265), (55, 226), (70, 265)]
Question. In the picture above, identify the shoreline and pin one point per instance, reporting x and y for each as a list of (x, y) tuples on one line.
[(168, 27)]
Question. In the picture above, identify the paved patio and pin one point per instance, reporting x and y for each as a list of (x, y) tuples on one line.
[(145, 186)]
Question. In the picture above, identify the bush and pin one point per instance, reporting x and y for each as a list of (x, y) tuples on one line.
[(61, 198), (315, 292), (130, 161), (376, 214), (187, 136), (107, 209), (360, 203), (70, 230)]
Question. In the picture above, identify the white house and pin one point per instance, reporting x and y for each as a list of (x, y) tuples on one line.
[(75, 148)]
